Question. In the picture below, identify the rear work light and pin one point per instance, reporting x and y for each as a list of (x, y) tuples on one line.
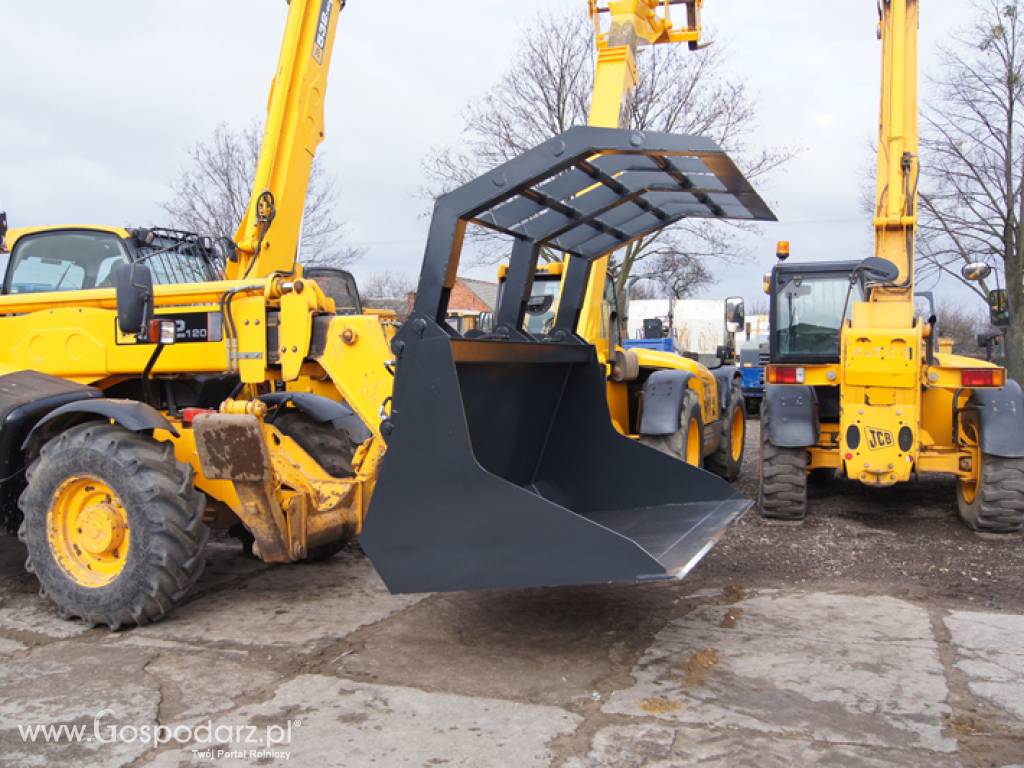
[(785, 374), (983, 377), (161, 332)]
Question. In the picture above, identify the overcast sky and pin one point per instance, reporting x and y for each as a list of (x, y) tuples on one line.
[(101, 101)]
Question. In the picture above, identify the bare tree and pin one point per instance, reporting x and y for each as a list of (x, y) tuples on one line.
[(972, 149), (678, 275), (547, 91), (211, 195), (388, 285), (963, 325), (758, 306)]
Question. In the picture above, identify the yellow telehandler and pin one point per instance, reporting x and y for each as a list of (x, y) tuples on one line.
[(146, 396), (663, 400), (857, 381)]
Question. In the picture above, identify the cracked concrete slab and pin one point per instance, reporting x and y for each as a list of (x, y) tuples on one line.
[(350, 724), (196, 686), (813, 666), (74, 684), (664, 746), (36, 615), (295, 605), (990, 651)]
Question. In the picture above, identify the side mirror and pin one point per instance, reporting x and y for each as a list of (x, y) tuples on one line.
[(999, 307), (134, 287), (3, 229), (878, 270), (735, 315), (989, 339), (975, 271)]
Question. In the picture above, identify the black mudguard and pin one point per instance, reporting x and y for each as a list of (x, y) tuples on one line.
[(1002, 420), (791, 413), (725, 376), (130, 414), (25, 398), (324, 411), (662, 401)]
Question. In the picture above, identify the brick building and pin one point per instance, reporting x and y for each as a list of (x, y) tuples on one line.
[(468, 295)]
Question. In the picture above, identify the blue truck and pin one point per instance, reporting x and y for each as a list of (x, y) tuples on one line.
[(754, 355)]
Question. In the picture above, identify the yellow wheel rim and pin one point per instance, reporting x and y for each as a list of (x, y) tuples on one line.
[(87, 527), (969, 485), (693, 440), (737, 435)]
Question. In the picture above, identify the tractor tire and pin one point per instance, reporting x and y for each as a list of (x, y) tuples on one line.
[(783, 475), (996, 503), (113, 525), (333, 450), (687, 442), (727, 461)]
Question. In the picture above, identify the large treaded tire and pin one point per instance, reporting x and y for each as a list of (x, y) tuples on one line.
[(675, 445), (165, 520), (333, 450), (998, 505), (722, 462), (783, 475)]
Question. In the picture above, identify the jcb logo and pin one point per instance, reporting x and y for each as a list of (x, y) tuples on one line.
[(879, 438)]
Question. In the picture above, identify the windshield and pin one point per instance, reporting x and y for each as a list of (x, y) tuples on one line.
[(178, 261), (540, 312), (809, 309)]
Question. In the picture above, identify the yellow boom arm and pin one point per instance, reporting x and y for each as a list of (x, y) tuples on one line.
[(896, 193), (267, 239), (633, 23)]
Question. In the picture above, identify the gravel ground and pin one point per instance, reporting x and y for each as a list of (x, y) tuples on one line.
[(906, 540), (880, 632)]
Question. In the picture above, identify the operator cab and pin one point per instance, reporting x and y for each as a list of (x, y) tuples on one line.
[(807, 303), (340, 285), (542, 308), (83, 258)]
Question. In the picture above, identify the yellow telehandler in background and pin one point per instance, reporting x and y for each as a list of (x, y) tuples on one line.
[(858, 382), (145, 396), (664, 400)]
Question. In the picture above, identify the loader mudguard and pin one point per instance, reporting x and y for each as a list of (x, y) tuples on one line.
[(25, 398), (1002, 420), (662, 401), (791, 413), (324, 411), (725, 375), (503, 468), (130, 414)]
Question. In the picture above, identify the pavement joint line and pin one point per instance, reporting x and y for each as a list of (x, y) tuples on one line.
[(962, 702)]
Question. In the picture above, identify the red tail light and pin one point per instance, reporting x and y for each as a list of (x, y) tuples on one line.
[(785, 374), (983, 377), (188, 415)]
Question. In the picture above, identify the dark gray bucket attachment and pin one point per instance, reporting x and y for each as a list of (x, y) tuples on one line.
[(504, 471), (503, 468)]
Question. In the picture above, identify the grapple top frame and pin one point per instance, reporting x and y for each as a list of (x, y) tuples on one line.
[(586, 193)]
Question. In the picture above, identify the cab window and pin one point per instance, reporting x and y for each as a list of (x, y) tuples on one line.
[(64, 261), (610, 317)]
